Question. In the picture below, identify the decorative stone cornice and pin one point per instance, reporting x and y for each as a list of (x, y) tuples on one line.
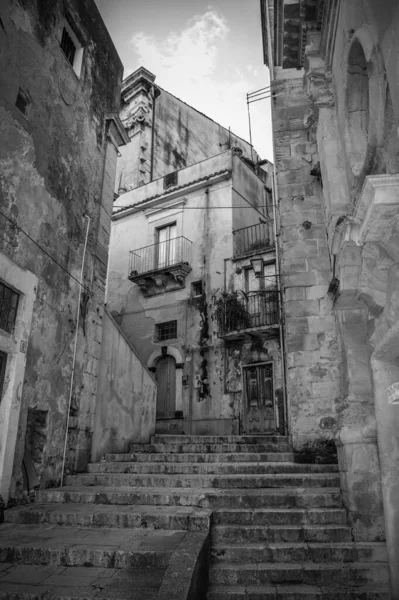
[(376, 214)]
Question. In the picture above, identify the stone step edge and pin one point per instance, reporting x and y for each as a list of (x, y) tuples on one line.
[(270, 592), (292, 566)]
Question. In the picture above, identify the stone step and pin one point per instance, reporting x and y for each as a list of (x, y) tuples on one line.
[(207, 468), (78, 546), (299, 552), (297, 592), (210, 448), (204, 498), (32, 582), (239, 534), (218, 439), (350, 574), (86, 515), (326, 516), (200, 457), (242, 481)]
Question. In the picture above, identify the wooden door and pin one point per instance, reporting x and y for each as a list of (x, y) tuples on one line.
[(259, 410), (3, 361), (166, 378)]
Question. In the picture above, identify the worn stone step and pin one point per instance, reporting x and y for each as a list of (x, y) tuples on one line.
[(326, 516), (200, 457), (79, 546), (242, 481), (208, 468), (203, 498), (33, 582), (299, 552), (280, 533), (218, 439), (350, 574), (210, 448), (85, 515), (297, 592)]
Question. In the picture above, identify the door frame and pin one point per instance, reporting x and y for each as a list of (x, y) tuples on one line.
[(151, 364), (244, 389)]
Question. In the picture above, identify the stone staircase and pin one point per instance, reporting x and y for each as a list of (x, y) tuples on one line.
[(136, 526)]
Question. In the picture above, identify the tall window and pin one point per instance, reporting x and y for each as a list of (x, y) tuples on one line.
[(71, 46), (8, 308), (166, 246)]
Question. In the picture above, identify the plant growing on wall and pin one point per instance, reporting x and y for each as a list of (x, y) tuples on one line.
[(230, 311)]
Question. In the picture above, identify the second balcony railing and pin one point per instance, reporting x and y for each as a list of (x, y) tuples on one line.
[(258, 309), (160, 256)]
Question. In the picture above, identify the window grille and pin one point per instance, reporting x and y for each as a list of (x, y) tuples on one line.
[(165, 331), (68, 47), (8, 308), (170, 179)]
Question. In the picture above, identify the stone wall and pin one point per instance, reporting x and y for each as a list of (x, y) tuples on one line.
[(312, 347), (126, 395), (54, 182)]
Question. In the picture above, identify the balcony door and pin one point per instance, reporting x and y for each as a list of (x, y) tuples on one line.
[(166, 249), (165, 375), (258, 399)]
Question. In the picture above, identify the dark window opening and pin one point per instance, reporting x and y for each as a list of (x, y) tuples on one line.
[(3, 362), (8, 308), (22, 103), (68, 47), (170, 179), (165, 331), (196, 288)]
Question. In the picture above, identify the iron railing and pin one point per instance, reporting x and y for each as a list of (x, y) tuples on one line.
[(254, 309), (160, 256), (248, 239)]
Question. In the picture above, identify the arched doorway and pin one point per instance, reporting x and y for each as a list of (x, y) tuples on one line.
[(165, 375)]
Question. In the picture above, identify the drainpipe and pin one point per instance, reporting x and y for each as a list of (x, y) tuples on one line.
[(274, 205), (75, 348)]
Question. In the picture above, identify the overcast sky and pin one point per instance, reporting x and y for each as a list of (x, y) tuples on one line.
[(207, 54)]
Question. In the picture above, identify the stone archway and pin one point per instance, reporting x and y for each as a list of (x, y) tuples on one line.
[(364, 109)]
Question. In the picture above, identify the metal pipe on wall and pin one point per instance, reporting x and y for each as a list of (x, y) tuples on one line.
[(275, 214), (75, 348)]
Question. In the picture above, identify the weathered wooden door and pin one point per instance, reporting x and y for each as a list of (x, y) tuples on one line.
[(166, 378), (259, 411)]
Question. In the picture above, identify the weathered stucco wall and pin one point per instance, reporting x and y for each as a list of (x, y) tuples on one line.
[(184, 136), (126, 396), (203, 394), (51, 175)]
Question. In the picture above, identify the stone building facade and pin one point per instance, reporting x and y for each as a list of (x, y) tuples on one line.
[(165, 133), (184, 292), (59, 132), (335, 111), (181, 285)]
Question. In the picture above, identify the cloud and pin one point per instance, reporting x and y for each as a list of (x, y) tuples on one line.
[(195, 65), (190, 54)]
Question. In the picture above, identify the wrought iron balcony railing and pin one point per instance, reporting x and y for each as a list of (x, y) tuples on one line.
[(249, 239), (236, 312), (163, 256)]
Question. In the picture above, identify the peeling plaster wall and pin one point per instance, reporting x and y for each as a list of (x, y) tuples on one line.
[(52, 173), (214, 408), (183, 136), (126, 399)]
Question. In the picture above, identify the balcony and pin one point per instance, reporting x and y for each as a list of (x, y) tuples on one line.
[(161, 267), (239, 313), (251, 239)]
